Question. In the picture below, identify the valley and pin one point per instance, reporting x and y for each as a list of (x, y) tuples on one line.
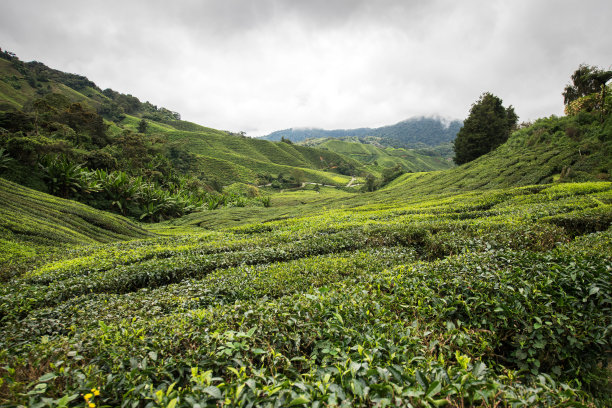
[(151, 261)]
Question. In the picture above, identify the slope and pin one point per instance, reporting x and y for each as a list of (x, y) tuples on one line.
[(220, 156), (495, 292), (376, 159), (555, 149), (435, 299), (238, 158), (33, 223)]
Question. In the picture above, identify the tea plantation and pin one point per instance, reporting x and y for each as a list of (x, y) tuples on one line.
[(487, 284), (486, 298)]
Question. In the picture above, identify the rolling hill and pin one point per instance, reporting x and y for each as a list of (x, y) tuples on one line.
[(220, 156), (213, 154), (32, 223), (434, 298), (551, 150), (377, 159)]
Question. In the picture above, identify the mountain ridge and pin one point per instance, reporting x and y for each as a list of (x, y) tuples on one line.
[(415, 132)]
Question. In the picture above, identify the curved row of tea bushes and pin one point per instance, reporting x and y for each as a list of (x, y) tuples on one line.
[(500, 327), (31, 216)]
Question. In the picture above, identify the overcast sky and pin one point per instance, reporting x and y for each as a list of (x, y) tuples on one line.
[(263, 65)]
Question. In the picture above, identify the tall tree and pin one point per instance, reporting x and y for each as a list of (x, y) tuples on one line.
[(585, 81), (143, 126), (488, 125)]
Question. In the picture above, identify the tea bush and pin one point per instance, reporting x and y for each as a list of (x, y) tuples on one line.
[(501, 298)]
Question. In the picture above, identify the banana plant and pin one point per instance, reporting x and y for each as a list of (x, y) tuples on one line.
[(120, 188), (63, 177), (5, 159)]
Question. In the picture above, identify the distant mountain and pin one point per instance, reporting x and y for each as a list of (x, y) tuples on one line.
[(418, 132)]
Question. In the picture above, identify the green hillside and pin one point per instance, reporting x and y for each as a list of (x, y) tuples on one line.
[(32, 223), (242, 159), (555, 149), (425, 291), (210, 154), (488, 284), (545, 152), (376, 158)]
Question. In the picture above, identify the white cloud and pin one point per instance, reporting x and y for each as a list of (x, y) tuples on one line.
[(272, 64)]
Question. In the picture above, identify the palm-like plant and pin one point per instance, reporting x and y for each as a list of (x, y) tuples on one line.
[(63, 177), (158, 204), (120, 188), (215, 201), (5, 159)]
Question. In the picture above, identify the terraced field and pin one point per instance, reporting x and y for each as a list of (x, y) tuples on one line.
[(488, 298), (241, 159)]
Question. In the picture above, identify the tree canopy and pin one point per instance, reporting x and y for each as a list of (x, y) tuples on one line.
[(488, 125), (585, 81), (143, 126)]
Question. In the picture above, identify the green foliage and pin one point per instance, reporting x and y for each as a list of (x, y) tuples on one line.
[(135, 196), (470, 299), (376, 159), (5, 160), (69, 119), (112, 111), (391, 173), (142, 126), (241, 189), (586, 80), (468, 287), (30, 219), (371, 183), (266, 201), (535, 154), (488, 125), (64, 178)]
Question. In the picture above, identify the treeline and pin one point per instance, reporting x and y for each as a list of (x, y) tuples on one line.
[(388, 175)]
